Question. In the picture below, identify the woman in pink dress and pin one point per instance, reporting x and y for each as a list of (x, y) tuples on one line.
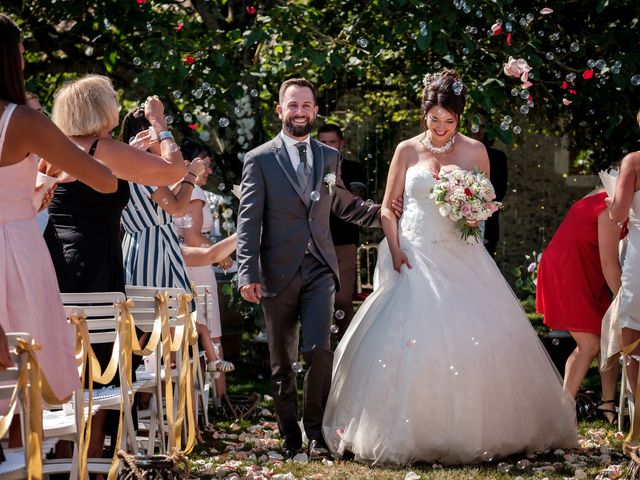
[(29, 295)]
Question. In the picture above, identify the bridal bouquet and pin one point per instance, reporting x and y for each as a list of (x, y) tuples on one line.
[(465, 197)]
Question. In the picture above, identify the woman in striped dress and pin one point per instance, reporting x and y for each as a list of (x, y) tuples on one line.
[(151, 248)]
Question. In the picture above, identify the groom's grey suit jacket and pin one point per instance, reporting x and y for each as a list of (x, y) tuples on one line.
[(276, 220)]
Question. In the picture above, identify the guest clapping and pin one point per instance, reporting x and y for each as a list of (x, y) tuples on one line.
[(578, 273)]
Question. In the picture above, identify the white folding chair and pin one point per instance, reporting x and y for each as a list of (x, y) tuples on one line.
[(145, 300), (205, 382), (625, 400), (184, 330), (101, 314), (15, 466), (145, 313)]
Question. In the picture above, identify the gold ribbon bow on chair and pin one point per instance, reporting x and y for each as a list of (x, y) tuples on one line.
[(130, 344), (188, 336), (39, 389)]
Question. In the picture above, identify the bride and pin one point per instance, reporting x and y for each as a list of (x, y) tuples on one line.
[(441, 364)]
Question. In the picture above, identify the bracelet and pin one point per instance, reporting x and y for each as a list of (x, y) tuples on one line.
[(164, 135), (190, 183), (191, 173)]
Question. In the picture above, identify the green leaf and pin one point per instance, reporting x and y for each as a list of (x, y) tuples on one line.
[(441, 47), (110, 60)]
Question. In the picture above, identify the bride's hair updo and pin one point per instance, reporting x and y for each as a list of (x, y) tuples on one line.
[(444, 90)]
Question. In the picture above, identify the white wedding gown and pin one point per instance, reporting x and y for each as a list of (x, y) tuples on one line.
[(440, 363)]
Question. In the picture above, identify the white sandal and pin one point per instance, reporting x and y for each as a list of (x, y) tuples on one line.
[(220, 366)]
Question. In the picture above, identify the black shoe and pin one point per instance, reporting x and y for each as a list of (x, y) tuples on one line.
[(318, 450), (601, 413), (289, 453)]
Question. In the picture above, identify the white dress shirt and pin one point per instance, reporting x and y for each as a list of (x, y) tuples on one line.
[(294, 153)]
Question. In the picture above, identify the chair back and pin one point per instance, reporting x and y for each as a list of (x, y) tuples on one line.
[(9, 381), (99, 309), (365, 267)]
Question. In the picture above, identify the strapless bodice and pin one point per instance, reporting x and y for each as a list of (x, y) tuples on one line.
[(421, 223)]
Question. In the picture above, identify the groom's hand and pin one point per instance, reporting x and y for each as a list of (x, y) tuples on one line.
[(251, 292), (397, 204)]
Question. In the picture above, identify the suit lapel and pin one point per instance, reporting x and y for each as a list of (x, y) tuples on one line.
[(318, 165), (280, 151)]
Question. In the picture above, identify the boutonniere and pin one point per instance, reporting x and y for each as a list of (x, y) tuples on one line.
[(330, 180)]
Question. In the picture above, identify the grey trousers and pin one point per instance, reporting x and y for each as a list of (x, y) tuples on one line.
[(308, 302)]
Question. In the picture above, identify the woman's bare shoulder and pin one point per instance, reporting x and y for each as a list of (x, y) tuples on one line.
[(469, 143), (407, 151)]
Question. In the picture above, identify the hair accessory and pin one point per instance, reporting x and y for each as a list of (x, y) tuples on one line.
[(164, 135), (429, 77), (446, 148)]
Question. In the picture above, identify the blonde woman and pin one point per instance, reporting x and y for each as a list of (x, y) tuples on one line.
[(83, 234)]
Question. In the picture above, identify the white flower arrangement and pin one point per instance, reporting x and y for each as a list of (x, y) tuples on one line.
[(330, 180), (220, 208)]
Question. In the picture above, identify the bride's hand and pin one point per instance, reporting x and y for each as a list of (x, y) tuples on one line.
[(473, 223), (400, 259)]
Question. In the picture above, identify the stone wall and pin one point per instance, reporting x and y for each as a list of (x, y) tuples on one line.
[(540, 193)]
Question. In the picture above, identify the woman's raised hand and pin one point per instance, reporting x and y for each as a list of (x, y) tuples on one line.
[(143, 140), (196, 167), (154, 111)]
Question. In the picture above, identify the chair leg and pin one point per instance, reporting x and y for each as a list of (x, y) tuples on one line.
[(623, 396)]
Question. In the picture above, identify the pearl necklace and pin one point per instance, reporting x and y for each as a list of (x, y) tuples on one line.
[(446, 148)]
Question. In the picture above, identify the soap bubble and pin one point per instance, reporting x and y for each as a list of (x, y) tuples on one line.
[(137, 61), (223, 122), (339, 314), (315, 196)]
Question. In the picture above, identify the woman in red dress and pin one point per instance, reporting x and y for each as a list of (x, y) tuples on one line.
[(578, 274)]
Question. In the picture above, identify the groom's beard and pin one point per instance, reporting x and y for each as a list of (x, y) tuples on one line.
[(300, 130)]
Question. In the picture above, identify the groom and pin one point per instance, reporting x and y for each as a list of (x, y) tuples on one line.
[(286, 257)]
